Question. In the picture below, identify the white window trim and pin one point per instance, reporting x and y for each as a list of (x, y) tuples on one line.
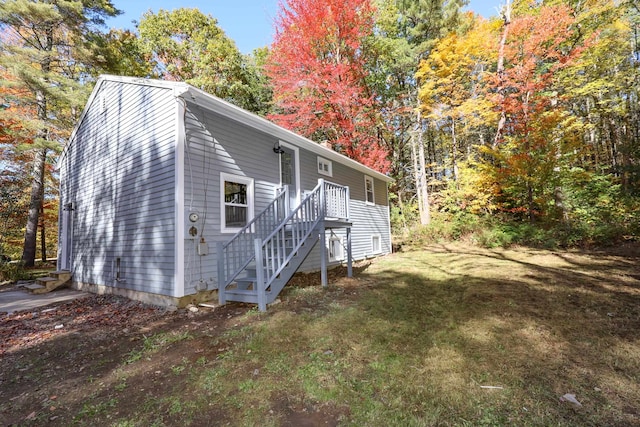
[(340, 257), (373, 249), (320, 161), (250, 200), (373, 191)]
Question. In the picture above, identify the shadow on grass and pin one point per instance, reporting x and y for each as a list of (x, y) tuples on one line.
[(539, 324), (409, 341)]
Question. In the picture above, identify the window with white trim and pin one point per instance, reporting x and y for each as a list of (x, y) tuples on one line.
[(376, 245), (336, 251), (369, 196), (236, 201), (325, 167)]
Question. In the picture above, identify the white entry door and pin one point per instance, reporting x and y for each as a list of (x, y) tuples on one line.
[(66, 237), (290, 173)]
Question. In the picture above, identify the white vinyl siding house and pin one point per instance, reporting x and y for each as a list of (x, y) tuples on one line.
[(120, 184), (157, 173)]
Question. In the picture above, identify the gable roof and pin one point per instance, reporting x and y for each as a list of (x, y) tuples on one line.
[(233, 112)]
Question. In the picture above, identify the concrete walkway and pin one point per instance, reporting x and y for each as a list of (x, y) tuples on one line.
[(18, 299)]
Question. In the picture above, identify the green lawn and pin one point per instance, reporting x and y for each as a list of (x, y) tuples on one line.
[(445, 335)]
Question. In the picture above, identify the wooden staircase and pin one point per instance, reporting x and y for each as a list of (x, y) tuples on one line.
[(246, 285), (55, 280), (256, 264)]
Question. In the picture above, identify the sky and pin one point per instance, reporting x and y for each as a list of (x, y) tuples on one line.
[(248, 22)]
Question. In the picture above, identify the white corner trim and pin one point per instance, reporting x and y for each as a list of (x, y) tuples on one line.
[(179, 273)]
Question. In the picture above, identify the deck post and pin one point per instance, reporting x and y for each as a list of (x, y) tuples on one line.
[(260, 279), (323, 255), (222, 300), (347, 199), (349, 257)]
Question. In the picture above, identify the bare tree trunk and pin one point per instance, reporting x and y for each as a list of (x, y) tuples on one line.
[(454, 152), (43, 238), (29, 249), (560, 198), (37, 186), (419, 167), (530, 207), (506, 15), (402, 218)]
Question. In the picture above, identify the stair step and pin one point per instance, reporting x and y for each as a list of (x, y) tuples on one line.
[(48, 284), (33, 287), (60, 272), (240, 292), (241, 295), (244, 283)]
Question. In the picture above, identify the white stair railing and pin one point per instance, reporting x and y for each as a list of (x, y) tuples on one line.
[(275, 248), (235, 254)]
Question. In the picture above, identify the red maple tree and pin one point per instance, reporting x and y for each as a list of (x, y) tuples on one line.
[(317, 69), (535, 135)]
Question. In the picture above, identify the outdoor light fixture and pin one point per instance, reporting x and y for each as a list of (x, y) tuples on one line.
[(277, 149)]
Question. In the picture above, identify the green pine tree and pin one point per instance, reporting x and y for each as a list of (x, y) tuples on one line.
[(47, 53)]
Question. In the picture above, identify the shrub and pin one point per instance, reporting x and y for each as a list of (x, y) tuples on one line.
[(12, 272)]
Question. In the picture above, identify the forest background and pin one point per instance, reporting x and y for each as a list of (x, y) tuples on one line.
[(519, 129)]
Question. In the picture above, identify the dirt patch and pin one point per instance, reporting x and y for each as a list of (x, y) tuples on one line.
[(52, 357)]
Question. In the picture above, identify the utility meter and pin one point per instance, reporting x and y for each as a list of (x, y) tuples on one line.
[(192, 224)]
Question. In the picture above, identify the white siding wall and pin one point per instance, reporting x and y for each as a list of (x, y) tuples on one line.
[(216, 144), (367, 220), (119, 173)]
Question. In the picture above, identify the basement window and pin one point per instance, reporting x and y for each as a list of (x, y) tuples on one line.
[(376, 246), (336, 252)]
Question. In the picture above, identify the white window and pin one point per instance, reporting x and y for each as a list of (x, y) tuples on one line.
[(236, 201), (376, 246), (368, 190), (336, 251), (325, 167)]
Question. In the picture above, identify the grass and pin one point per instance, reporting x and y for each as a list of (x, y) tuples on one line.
[(154, 343), (14, 271), (430, 329), (445, 335)]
